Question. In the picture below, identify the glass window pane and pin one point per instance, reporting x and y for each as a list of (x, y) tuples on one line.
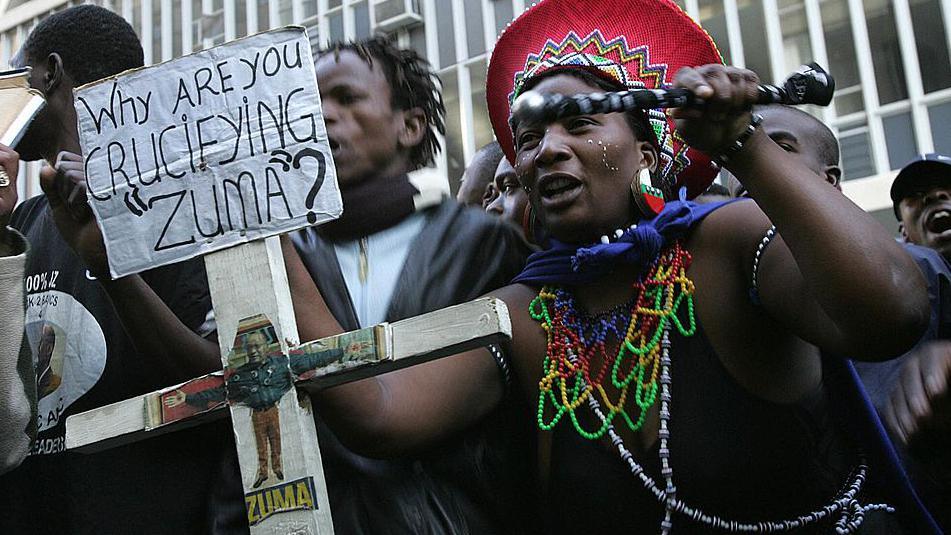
[(753, 32), (263, 23), (176, 28), (285, 12), (136, 18), (455, 157), (886, 54), (196, 26), (940, 115), (361, 20), (444, 34), (503, 14), (856, 154), (795, 30), (713, 19), (840, 48), (475, 33), (417, 40), (481, 126), (387, 9), (333, 3), (310, 8), (336, 27), (900, 138), (931, 42), (156, 31), (241, 19)]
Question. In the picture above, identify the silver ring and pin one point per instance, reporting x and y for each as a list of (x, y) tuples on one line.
[(4, 179)]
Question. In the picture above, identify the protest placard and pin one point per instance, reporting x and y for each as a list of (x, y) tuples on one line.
[(206, 151)]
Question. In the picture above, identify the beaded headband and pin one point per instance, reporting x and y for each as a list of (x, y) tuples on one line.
[(613, 42)]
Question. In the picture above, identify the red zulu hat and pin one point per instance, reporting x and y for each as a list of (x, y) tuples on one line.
[(634, 43)]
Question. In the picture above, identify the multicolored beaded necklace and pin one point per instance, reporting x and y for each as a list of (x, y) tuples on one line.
[(643, 361), (573, 369)]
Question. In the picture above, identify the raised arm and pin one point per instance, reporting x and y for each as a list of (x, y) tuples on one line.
[(834, 277), (174, 350), (397, 412)]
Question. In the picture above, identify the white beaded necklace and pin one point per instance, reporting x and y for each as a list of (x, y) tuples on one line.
[(845, 504)]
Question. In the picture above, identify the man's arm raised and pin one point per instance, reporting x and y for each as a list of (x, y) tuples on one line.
[(398, 412), (158, 334)]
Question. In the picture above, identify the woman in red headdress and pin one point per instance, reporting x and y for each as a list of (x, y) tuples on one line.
[(670, 361)]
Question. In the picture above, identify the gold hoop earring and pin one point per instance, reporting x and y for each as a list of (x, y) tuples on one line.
[(647, 198)]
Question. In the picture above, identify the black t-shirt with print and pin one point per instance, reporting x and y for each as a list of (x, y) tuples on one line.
[(85, 359)]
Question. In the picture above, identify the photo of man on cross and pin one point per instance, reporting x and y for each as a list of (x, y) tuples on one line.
[(257, 376)]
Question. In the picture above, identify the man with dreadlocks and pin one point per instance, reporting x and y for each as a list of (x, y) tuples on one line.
[(401, 249)]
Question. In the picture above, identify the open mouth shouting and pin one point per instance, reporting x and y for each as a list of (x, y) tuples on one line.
[(939, 222), (558, 189)]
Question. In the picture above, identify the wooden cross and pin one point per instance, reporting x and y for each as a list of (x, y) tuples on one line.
[(196, 155), (284, 486)]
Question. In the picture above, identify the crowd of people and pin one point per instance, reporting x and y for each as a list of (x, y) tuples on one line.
[(759, 355)]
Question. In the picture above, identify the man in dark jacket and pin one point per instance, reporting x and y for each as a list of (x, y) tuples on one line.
[(401, 249)]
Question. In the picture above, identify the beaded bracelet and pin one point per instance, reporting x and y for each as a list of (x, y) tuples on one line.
[(737, 145), (503, 363), (754, 286)]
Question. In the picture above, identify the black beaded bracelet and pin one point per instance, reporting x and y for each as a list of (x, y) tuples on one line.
[(737, 145)]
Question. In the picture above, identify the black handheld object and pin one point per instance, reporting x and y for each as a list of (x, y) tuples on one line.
[(810, 84)]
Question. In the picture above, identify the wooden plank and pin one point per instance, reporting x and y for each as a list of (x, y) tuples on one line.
[(274, 430), (407, 342)]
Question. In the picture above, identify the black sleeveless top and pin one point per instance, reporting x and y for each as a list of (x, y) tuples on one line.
[(733, 455)]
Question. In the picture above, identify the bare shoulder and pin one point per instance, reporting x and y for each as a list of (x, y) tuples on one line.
[(731, 233), (528, 338)]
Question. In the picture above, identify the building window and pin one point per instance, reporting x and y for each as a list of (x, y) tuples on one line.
[(713, 20), (886, 53), (481, 126), (475, 34), (310, 8), (444, 33), (503, 15), (900, 135), (755, 47), (417, 40), (931, 42), (940, 115), (455, 155), (856, 153), (335, 27), (840, 47), (361, 20), (797, 50), (264, 18)]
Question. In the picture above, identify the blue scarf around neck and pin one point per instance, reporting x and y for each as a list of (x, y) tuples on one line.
[(565, 264)]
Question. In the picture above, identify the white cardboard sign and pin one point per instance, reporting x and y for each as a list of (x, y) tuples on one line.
[(207, 151)]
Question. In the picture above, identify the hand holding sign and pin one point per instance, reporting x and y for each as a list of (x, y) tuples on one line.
[(10, 164), (207, 151), (65, 186)]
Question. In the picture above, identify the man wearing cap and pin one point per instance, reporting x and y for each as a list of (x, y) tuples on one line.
[(912, 393), (921, 195)]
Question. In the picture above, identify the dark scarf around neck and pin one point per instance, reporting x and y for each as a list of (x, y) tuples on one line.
[(372, 205)]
